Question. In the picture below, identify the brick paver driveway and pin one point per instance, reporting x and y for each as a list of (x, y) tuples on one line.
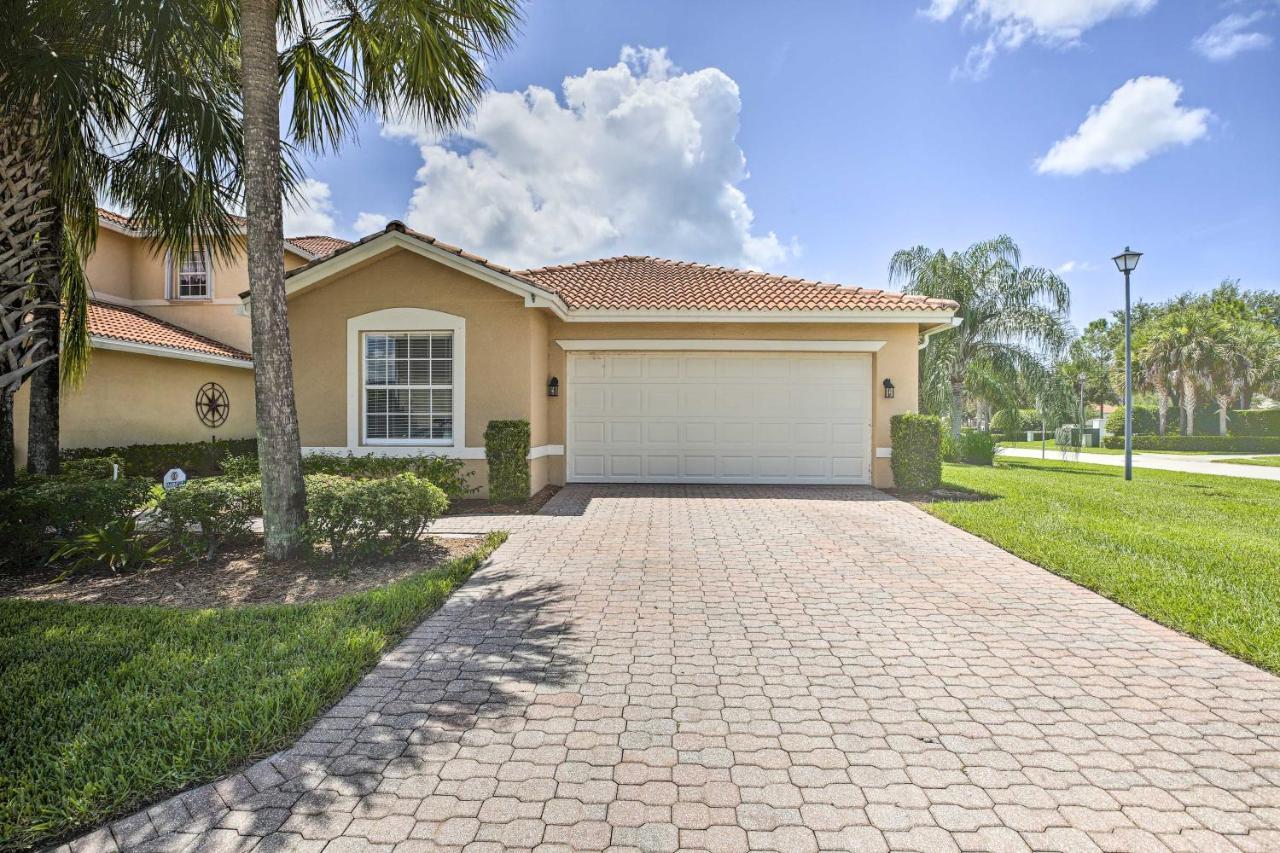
[(773, 668)]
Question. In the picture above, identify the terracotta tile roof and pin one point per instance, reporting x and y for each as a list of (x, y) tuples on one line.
[(320, 245), (129, 325), (127, 222), (633, 282)]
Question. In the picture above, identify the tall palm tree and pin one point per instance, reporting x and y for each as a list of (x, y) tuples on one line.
[(338, 59), (1011, 316), (1155, 369), (1194, 336), (130, 100)]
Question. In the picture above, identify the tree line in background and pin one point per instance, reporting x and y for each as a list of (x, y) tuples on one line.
[(1014, 362), (170, 109)]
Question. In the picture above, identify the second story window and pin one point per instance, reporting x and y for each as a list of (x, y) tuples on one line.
[(193, 275)]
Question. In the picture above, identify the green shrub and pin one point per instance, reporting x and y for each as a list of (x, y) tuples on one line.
[(1209, 443), (205, 514), (363, 518), (1252, 422), (197, 458), (92, 467), (42, 510), (506, 449), (445, 472), (977, 448), (949, 447), (1145, 421), (241, 466), (917, 452)]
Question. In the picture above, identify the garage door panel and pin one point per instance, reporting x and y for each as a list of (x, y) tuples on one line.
[(728, 417)]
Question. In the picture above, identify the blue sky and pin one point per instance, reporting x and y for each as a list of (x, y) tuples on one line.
[(864, 128)]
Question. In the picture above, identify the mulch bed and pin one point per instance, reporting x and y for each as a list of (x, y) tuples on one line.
[(481, 506), (233, 577)]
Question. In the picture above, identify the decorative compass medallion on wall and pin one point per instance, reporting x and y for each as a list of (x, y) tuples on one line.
[(212, 404)]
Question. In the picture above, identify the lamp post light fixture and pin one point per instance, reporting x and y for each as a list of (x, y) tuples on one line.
[(1127, 262)]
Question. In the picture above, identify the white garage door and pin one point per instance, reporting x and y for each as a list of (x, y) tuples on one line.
[(751, 417)]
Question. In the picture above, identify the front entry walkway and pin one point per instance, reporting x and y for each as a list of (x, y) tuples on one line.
[(769, 668)]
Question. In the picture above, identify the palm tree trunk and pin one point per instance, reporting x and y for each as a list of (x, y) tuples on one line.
[(7, 452), (1162, 410), (1224, 406), (279, 447), (43, 435), (1189, 406), (957, 406), (29, 263)]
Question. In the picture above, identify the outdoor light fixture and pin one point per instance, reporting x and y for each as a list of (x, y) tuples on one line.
[(553, 387), (888, 389), (1127, 262)]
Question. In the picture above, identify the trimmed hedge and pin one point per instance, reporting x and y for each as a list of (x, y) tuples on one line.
[(1211, 443), (445, 472), (197, 458), (977, 448), (1253, 422), (1145, 421), (207, 513), (363, 518), (917, 452), (92, 468), (506, 449)]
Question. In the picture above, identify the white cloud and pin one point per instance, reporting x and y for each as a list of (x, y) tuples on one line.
[(1073, 266), (1012, 23), (1140, 118), (1231, 36), (367, 223), (637, 158), (311, 212)]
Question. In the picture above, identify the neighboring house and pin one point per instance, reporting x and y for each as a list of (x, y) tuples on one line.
[(629, 369), (163, 328)]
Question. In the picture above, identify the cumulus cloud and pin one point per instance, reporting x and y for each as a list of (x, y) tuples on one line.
[(637, 158), (1230, 36), (366, 223), (1140, 119), (311, 212), (1009, 24)]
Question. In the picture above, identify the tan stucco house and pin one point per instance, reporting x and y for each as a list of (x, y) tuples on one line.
[(629, 369), (162, 329)]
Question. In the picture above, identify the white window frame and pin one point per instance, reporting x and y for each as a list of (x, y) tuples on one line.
[(409, 386), (176, 273), (393, 320)]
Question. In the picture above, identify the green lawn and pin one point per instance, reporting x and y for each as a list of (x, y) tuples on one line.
[(1267, 461), (1053, 448), (1198, 553), (105, 708)]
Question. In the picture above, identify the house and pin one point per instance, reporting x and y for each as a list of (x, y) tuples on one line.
[(628, 369), (171, 340)]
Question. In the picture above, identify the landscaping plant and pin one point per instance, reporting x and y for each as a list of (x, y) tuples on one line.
[(506, 449), (917, 452), (117, 545), (205, 514), (358, 519), (41, 511)]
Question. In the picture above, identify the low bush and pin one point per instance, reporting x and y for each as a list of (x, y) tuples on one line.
[(117, 545), (205, 514), (1254, 422), (1208, 443), (506, 449), (445, 472), (977, 448), (917, 452), (93, 467), (949, 447), (40, 511), (1145, 421), (197, 458), (362, 518)]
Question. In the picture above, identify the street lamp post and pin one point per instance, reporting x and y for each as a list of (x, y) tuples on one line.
[(1127, 262)]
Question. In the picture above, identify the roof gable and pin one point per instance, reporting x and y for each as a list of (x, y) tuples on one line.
[(108, 322)]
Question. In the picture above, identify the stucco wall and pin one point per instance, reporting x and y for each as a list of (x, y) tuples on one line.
[(128, 398)]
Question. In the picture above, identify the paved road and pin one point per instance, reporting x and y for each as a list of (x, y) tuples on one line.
[(783, 669), (1160, 461)]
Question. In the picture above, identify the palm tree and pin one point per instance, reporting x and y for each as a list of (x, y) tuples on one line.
[(1011, 316), (420, 58), (1194, 336), (127, 100), (1154, 369)]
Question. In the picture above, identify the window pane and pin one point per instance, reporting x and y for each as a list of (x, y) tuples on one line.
[(398, 400), (420, 401), (400, 346), (442, 428), (442, 346), (377, 426), (397, 426), (375, 346), (375, 372), (442, 372), (420, 346), (442, 402), (419, 372), (419, 426), (375, 401)]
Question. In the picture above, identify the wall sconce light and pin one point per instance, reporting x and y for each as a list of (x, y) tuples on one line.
[(888, 389), (553, 387)]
